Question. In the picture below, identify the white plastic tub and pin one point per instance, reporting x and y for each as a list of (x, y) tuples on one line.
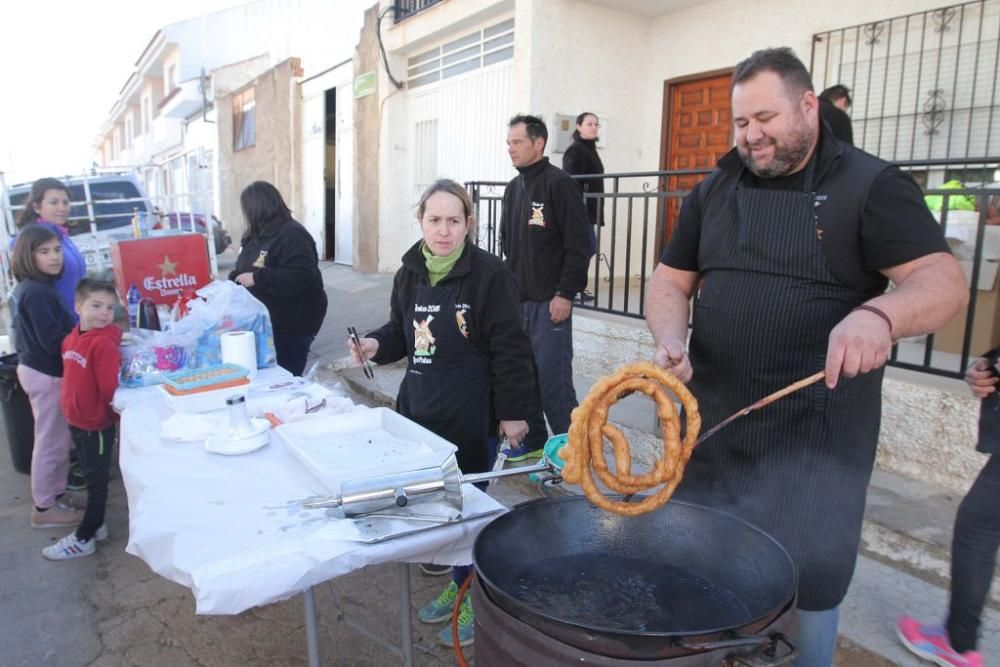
[(362, 444)]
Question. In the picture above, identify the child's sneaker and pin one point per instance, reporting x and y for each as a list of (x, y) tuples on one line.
[(74, 499), (76, 480), (440, 608), (69, 547), (466, 627), (57, 516), (930, 642)]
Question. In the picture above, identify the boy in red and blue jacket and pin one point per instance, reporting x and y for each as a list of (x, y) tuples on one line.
[(91, 363)]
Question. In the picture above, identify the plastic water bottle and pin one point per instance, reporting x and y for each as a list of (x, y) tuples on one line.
[(133, 298)]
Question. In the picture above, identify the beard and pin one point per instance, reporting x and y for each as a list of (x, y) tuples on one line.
[(788, 153)]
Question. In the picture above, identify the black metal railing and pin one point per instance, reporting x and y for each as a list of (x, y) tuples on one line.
[(924, 85), (407, 8), (638, 205)]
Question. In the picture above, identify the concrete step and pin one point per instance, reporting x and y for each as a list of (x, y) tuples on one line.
[(908, 524)]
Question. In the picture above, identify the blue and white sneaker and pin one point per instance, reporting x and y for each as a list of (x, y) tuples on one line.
[(70, 547), (466, 626)]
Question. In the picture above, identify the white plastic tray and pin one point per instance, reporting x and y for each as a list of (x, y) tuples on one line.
[(363, 444)]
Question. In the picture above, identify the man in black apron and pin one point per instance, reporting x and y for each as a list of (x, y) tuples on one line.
[(789, 244)]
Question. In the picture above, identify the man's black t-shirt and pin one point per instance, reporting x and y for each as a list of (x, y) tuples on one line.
[(895, 227)]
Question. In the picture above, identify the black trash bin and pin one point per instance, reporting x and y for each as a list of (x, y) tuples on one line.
[(15, 410)]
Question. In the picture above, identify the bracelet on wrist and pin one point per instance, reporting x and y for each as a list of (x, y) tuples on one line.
[(876, 311)]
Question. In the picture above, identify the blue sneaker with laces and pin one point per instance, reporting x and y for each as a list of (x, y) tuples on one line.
[(466, 626), (523, 453), (440, 608)]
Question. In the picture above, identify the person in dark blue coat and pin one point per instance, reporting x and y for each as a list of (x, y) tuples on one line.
[(41, 321)]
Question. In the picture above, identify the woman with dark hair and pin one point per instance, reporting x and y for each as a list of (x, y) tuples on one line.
[(278, 263), (581, 159), (48, 206)]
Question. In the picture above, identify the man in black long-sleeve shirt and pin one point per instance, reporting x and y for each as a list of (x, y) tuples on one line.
[(543, 235)]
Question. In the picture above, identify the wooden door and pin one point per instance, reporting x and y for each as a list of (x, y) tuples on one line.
[(697, 131)]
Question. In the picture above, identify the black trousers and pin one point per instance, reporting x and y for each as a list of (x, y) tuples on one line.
[(292, 352), (974, 556), (93, 450)]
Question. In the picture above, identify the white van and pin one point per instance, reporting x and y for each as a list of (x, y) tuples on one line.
[(103, 206)]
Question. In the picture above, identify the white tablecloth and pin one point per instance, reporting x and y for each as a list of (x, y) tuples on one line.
[(229, 527)]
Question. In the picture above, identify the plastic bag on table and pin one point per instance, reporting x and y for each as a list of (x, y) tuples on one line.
[(147, 353), (193, 341), (225, 306)]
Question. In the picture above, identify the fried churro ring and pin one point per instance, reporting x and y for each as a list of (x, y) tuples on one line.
[(584, 451)]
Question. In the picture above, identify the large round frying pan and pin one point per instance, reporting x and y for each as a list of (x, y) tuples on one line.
[(680, 580)]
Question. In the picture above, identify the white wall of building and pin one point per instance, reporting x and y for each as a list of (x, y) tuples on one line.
[(790, 23), (455, 128), (320, 34)]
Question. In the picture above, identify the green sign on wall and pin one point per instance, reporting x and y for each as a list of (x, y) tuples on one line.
[(364, 85)]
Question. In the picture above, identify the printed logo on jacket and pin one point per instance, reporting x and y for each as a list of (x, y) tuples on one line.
[(537, 214), (71, 355), (424, 343)]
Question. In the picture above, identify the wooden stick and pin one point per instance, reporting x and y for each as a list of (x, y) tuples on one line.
[(770, 398)]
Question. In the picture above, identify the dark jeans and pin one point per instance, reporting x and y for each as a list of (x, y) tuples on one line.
[(552, 346), (460, 572), (974, 556), (93, 449), (292, 352), (592, 232)]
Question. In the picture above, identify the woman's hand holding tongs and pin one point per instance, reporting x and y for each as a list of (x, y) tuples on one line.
[(368, 348)]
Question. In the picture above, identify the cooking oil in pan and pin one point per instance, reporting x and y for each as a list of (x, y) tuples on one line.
[(613, 592)]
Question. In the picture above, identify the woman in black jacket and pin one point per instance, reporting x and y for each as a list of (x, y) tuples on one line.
[(278, 263), (581, 159), (455, 313)]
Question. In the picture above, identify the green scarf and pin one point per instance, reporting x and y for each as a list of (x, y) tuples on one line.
[(438, 267)]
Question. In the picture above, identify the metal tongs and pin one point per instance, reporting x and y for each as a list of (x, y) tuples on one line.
[(365, 364)]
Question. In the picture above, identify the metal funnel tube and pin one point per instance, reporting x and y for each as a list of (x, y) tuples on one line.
[(374, 494)]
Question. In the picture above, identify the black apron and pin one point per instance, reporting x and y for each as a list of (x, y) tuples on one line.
[(446, 388), (800, 467)]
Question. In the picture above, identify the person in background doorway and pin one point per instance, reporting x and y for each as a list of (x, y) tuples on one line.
[(455, 314), (543, 235), (581, 159), (48, 205), (975, 541), (833, 105), (278, 263), (41, 323), (91, 361), (787, 249)]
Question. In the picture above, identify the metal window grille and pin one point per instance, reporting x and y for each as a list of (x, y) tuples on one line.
[(635, 205), (924, 85), (469, 52)]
